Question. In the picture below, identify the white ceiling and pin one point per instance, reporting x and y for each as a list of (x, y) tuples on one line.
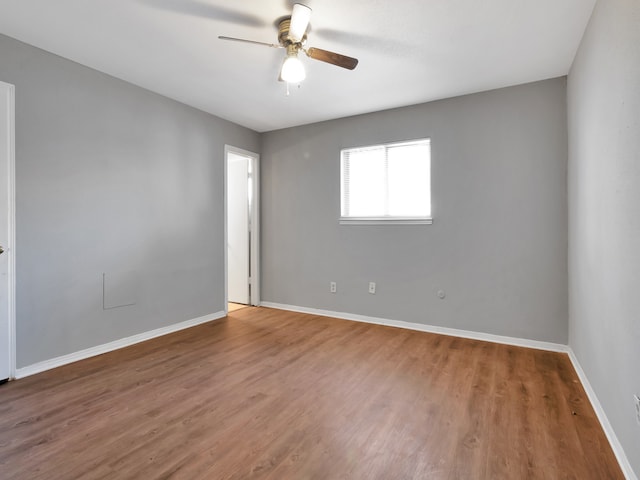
[(410, 51)]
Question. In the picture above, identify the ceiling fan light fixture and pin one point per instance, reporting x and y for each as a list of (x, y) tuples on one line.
[(292, 35), (292, 70)]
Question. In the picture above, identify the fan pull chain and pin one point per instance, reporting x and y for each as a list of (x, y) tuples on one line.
[(287, 87)]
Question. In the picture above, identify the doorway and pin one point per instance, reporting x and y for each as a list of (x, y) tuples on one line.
[(241, 227), (7, 232)]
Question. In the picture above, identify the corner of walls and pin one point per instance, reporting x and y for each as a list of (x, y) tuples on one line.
[(603, 102), (616, 446), (119, 203), (498, 242)]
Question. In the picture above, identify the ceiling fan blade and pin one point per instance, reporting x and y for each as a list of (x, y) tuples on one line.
[(202, 9), (333, 58), (300, 17), (233, 39)]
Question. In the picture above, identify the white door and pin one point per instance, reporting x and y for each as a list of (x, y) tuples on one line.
[(6, 229), (238, 227)]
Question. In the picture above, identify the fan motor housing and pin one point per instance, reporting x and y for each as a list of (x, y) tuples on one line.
[(283, 33)]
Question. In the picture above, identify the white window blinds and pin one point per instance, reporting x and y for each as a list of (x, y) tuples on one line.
[(387, 182)]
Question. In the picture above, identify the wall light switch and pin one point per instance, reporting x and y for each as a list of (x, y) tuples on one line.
[(372, 288)]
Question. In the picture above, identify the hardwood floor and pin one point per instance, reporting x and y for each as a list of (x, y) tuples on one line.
[(232, 307), (279, 395)]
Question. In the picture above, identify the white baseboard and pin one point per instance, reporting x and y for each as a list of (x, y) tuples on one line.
[(604, 421), (520, 342), (115, 345), (488, 337)]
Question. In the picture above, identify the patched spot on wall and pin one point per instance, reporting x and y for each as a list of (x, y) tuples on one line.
[(119, 289)]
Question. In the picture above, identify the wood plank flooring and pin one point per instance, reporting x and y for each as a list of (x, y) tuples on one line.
[(232, 307), (266, 394)]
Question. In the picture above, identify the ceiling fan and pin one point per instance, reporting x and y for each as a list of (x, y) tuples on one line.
[(292, 35)]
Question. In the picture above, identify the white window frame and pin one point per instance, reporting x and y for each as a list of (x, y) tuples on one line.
[(384, 220)]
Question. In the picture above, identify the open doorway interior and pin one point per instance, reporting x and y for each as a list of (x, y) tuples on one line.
[(241, 228)]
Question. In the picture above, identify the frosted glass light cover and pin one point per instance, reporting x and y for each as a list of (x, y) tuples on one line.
[(293, 70)]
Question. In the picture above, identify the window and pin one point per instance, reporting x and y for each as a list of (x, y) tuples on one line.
[(389, 183)]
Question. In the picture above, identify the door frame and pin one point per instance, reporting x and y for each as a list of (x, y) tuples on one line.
[(9, 90), (254, 219)]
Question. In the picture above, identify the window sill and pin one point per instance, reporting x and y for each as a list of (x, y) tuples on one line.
[(385, 221)]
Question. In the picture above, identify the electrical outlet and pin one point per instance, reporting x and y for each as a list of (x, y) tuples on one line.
[(636, 401), (333, 287), (372, 288)]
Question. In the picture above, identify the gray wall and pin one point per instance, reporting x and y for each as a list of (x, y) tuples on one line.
[(498, 244), (604, 212), (111, 178)]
